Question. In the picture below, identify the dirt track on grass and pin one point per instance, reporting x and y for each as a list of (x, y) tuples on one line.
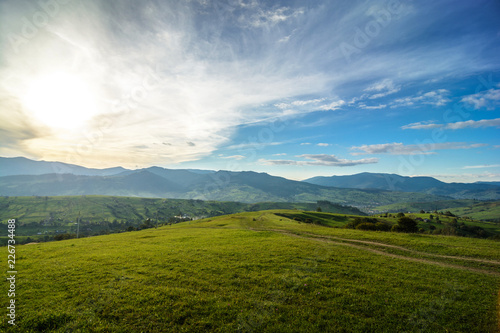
[(344, 242)]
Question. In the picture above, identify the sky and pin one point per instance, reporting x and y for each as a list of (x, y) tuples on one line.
[(293, 88)]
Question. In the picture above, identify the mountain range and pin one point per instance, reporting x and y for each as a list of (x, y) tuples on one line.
[(429, 185), (24, 177)]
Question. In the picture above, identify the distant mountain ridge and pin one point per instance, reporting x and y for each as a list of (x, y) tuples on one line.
[(245, 186), (393, 182), (15, 166)]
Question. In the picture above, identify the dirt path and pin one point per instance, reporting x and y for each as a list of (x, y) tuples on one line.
[(484, 261), (329, 240)]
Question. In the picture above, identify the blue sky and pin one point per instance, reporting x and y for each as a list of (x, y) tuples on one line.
[(292, 88)]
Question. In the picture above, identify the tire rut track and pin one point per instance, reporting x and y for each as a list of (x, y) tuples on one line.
[(329, 240)]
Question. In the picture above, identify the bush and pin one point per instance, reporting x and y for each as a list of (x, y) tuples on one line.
[(360, 220), (64, 236), (382, 226), (407, 224), (396, 228), (366, 226)]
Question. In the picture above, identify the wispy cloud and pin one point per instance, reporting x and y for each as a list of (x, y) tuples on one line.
[(323, 144), (382, 89), (422, 125), (311, 105), (332, 106), (268, 18), (435, 98), (482, 166), (487, 99), (175, 75), (186, 79), (320, 160), (417, 149), (456, 125), (372, 107), (234, 157), (474, 124)]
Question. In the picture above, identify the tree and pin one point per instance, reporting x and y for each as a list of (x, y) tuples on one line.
[(407, 224), (400, 215), (319, 209)]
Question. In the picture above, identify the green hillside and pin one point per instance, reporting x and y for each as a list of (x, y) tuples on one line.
[(257, 272), (478, 210), (102, 214)]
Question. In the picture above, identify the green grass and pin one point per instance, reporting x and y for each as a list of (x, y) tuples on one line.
[(47, 214), (481, 211), (488, 210), (256, 272)]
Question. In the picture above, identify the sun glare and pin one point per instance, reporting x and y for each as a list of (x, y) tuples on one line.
[(60, 101)]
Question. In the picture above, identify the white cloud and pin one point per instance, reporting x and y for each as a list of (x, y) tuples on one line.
[(156, 80), (323, 144), (194, 71), (300, 107), (487, 99), (481, 166), (305, 143), (422, 125), (383, 88), (474, 124), (306, 102), (372, 107), (455, 126), (434, 98), (332, 106), (268, 18), (235, 157), (320, 160), (416, 149)]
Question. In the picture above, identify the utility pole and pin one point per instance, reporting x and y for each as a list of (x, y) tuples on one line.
[(78, 225)]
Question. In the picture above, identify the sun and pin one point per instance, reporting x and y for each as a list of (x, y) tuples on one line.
[(60, 100)]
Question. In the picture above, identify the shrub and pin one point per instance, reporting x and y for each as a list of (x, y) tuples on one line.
[(382, 226), (407, 224), (396, 228), (359, 220), (366, 226)]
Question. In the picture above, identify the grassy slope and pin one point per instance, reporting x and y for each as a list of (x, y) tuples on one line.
[(256, 272), (489, 210), (480, 211), (64, 210)]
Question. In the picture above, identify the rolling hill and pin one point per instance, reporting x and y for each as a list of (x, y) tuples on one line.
[(257, 272)]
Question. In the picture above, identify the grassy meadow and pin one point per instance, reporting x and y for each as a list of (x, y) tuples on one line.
[(478, 210), (42, 217), (258, 272)]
